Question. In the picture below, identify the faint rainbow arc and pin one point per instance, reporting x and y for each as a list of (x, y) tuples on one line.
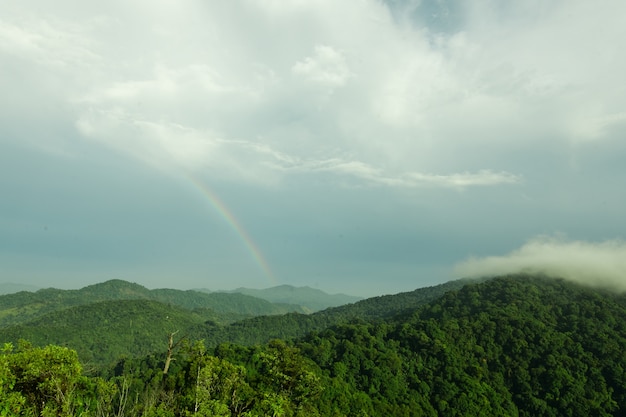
[(232, 221)]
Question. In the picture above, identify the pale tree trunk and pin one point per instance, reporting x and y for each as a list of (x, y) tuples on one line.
[(170, 351)]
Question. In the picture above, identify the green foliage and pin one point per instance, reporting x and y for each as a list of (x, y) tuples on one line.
[(103, 332), (510, 346), (49, 382), (11, 401), (222, 389)]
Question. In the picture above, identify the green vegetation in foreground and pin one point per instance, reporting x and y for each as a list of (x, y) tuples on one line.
[(511, 346)]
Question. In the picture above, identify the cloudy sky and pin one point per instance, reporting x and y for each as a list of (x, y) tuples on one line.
[(358, 146)]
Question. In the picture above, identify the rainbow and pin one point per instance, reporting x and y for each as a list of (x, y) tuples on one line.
[(230, 218)]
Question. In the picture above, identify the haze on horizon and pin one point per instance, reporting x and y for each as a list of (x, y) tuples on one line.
[(365, 147)]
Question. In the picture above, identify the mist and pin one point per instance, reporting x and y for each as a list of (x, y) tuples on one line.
[(596, 264)]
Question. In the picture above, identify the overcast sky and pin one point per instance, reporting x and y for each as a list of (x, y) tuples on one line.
[(355, 146)]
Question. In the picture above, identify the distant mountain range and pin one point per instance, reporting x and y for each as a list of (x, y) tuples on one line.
[(25, 306), (309, 298), (10, 288)]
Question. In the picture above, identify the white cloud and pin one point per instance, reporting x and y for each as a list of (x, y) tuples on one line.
[(598, 264), (327, 66), (411, 106), (176, 149), (373, 176), (172, 147), (51, 44)]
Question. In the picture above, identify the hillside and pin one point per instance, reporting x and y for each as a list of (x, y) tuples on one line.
[(516, 346), (105, 331), (25, 306)]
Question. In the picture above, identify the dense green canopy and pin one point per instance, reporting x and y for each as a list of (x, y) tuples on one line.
[(510, 346)]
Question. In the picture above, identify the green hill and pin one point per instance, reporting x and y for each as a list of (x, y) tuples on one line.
[(234, 304), (25, 306), (511, 346)]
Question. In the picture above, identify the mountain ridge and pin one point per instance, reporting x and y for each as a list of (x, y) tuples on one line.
[(311, 298), (25, 306)]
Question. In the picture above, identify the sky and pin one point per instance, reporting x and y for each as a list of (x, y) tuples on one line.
[(363, 146)]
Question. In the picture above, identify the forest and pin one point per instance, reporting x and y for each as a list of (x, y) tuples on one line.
[(516, 345)]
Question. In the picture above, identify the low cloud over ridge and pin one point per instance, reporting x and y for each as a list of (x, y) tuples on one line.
[(597, 264)]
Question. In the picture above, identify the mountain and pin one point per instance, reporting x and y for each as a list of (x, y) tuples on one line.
[(511, 346), (239, 304), (310, 298), (25, 306)]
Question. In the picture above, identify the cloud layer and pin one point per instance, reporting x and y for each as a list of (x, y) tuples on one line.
[(601, 264), (308, 80)]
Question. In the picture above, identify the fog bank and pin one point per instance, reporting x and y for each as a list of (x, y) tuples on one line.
[(597, 264)]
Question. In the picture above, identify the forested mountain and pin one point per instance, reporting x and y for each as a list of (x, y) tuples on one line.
[(307, 297), (510, 346), (513, 346), (25, 306), (72, 318)]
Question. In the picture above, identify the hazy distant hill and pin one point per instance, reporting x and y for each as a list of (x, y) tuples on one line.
[(310, 298), (11, 288), (25, 306)]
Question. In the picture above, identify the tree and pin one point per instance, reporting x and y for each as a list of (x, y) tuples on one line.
[(288, 379), (49, 381), (11, 402), (221, 389)]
